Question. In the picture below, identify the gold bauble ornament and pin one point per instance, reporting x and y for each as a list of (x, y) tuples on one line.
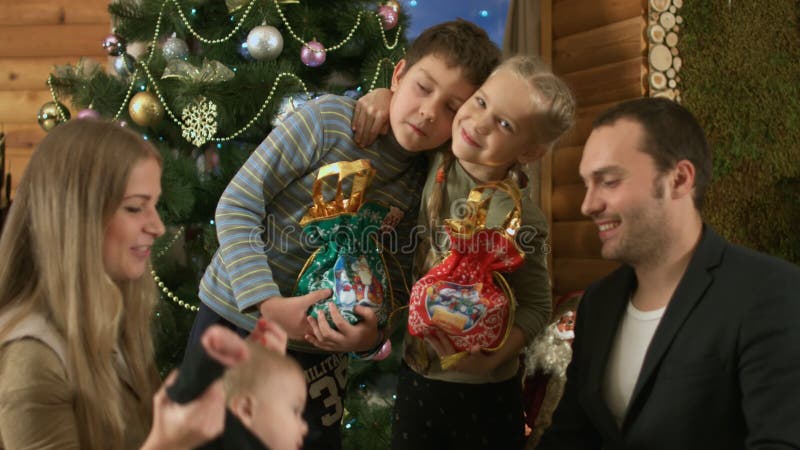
[(145, 109), (49, 116), (394, 4)]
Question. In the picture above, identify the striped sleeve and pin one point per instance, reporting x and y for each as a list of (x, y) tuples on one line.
[(288, 152)]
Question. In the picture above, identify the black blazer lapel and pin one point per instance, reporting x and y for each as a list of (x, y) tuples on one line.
[(689, 292), (609, 303)]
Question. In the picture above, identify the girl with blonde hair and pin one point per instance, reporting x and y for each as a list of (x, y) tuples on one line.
[(513, 119), (77, 367)]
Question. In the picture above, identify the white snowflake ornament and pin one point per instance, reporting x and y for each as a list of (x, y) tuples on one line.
[(199, 121)]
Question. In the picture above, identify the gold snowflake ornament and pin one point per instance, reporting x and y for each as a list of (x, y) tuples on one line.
[(199, 121)]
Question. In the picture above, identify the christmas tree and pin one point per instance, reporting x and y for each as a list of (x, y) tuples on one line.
[(209, 81)]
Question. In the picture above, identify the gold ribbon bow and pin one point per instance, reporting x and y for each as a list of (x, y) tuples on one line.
[(211, 72)]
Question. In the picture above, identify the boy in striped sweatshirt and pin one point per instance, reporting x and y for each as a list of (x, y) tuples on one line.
[(261, 252)]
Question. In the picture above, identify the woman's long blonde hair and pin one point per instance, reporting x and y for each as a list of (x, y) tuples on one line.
[(52, 264), (554, 114)]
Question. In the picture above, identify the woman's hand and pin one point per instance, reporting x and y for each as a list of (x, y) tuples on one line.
[(186, 426)]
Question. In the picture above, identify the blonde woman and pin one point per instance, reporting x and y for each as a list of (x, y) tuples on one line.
[(76, 353)]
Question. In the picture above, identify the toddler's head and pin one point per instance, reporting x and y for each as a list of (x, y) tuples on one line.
[(268, 394)]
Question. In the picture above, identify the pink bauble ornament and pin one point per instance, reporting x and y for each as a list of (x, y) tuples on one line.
[(389, 16), (114, 44), (88, 113), (312, 54), (385, 350)]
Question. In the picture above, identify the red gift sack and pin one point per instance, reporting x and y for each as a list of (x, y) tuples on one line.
[(465, 296)]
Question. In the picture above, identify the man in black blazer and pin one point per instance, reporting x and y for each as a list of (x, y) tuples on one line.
[(694, 343)]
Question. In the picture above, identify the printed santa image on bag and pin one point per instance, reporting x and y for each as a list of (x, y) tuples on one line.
[(465, 296), (350, 259)]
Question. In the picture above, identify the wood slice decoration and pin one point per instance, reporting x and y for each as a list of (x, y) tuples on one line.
[(656, 33), (660, 57), (663, 36), (667, 20), (672, 39), (669, 93), (659, 5), (658, 81)]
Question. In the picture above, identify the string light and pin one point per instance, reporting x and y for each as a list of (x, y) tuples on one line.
[(250, 123), (170, 295), (378, 71), (171, 242), (213, 41), (61, 114), (261, 110), (127, 95), (383, 34), (303, 41)]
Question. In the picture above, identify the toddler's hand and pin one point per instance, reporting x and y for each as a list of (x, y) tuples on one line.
[(224, 345), (270, 335)]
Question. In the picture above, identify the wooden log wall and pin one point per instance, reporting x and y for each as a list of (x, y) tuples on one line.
[(35, 36), (599, 48)]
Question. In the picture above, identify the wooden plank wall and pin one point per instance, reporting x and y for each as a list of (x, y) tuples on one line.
[(599, 48), (36, 35)]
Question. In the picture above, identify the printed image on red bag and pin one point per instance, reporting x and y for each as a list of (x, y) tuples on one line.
[(465, 296)]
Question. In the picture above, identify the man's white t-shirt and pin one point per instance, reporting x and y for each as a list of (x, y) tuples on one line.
[(627, 355)]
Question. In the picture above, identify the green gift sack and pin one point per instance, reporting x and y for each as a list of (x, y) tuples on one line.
[(350, 259)]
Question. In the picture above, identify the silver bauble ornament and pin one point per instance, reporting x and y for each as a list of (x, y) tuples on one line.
[(175, 48), (264, 42), (124, 65)]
